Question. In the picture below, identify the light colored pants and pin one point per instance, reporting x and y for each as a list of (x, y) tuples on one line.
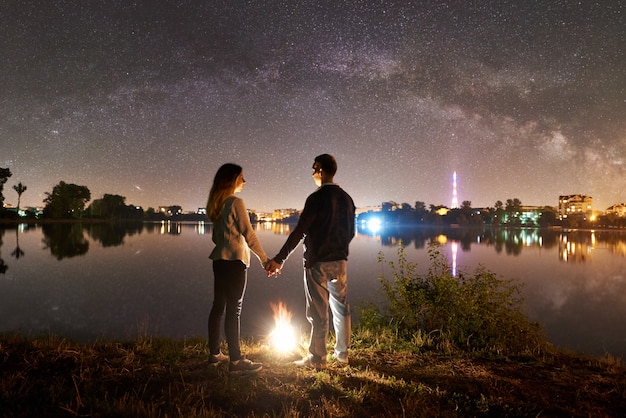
[(326, 283)]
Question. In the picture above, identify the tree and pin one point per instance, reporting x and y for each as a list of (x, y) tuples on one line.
[(513, 206), (19, 188), (5, 173), (175, 210), (109, 207), (548, 217), (513, 209), (420, 211), (469, 213), (498, 216), (66, 201), (466, 208)]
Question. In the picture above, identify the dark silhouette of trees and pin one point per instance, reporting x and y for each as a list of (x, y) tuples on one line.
[(433, 218), (468, 215), (19, 188), (113, 207), (548, 217), (66, 201), (498, 215), (510, 215), (151, 214), (513, 210), (513, 206), (175, 210), (5, 173), (421, 213)]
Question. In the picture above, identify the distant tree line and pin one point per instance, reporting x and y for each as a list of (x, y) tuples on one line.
[(5, 173), (509, 214), (69, 201)]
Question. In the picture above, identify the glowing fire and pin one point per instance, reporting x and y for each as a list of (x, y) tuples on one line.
[(283, 337)]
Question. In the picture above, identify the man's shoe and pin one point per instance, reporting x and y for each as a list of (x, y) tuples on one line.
[(341, 359), (244, 366), (215, 359), (310, 363)]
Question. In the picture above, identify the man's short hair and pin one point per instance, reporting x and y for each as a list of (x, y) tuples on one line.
[(327, 163)]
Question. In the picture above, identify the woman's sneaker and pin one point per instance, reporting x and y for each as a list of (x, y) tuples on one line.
[(244, 366), (215, 359)]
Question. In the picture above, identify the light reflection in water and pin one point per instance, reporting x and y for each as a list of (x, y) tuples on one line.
[(455, 247), (96, 280)]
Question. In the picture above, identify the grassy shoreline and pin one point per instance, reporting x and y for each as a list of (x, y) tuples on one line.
[(161, 377), (444, 345)]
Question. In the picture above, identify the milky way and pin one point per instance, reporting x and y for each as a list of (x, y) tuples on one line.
[(523, 99)]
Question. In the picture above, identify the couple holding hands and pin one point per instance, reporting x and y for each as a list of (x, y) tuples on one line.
[(327, 227)]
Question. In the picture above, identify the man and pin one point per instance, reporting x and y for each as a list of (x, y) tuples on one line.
[(327, 226)]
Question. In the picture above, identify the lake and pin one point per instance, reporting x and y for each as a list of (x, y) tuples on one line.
[(104, 281)]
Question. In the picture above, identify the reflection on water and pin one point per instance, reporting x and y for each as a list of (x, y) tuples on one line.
[(578, 246), (573, 245), (3, 266), (88, 281), (17, 252), (66, 240)]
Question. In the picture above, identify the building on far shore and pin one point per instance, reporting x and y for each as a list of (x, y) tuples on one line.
[(170, 210), (618, 209), (575, 205)]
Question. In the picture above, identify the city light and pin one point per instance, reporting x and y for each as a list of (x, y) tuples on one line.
[(374, 225)]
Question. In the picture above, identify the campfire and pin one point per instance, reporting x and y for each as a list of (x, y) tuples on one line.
[(283, 337)]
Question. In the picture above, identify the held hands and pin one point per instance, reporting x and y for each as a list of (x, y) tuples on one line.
[(272, 268)]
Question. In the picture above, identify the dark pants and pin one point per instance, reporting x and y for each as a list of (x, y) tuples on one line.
[(229, 288)]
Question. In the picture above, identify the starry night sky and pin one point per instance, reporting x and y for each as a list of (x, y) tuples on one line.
[(146, 99)]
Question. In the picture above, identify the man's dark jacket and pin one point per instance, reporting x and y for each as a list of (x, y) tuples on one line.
[(326, 224)]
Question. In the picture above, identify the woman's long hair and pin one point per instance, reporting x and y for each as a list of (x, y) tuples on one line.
[(223, 187)]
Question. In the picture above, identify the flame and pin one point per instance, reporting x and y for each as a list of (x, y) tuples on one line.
[(283, 337)]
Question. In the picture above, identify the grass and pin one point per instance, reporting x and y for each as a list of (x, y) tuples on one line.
[(160, 377)]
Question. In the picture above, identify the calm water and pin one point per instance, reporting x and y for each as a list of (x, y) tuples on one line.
[(100, 282)]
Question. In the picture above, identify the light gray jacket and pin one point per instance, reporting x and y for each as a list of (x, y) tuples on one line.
[(234, 236)]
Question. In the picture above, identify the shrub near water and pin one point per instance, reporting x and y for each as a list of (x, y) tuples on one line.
[(474, 312)]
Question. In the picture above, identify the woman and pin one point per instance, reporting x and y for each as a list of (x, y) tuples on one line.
[(234, 238)]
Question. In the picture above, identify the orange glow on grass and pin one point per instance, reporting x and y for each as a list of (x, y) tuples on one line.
[(283, 337)]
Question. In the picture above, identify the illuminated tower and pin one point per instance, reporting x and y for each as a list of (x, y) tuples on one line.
[(455, 199)]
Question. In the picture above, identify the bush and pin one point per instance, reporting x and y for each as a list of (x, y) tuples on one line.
[(478, 312)]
